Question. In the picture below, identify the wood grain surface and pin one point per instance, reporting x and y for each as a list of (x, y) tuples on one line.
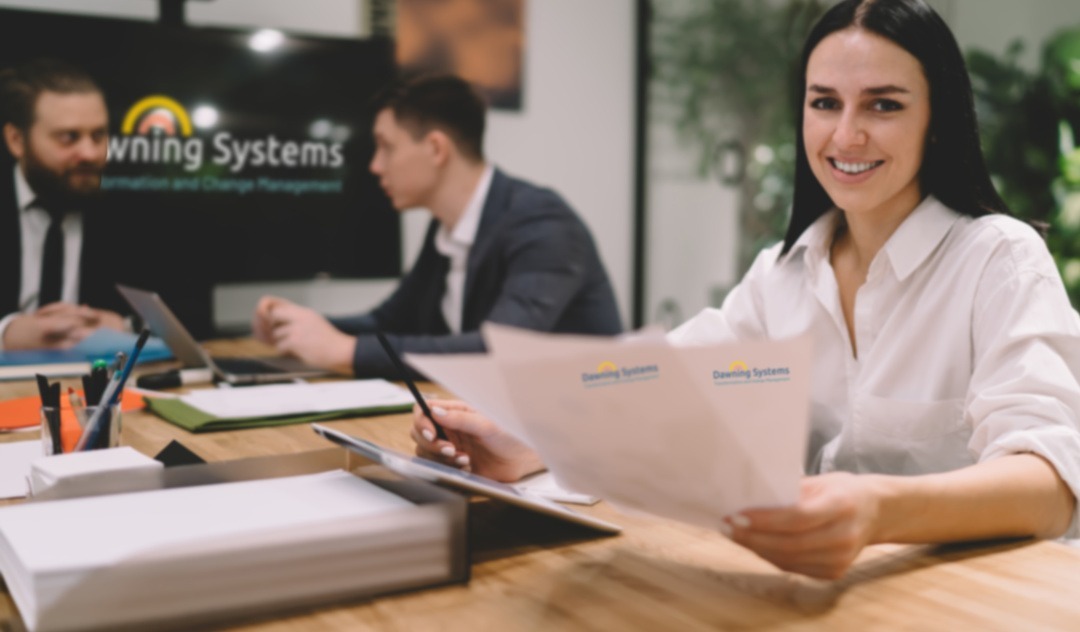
[(535, 573)]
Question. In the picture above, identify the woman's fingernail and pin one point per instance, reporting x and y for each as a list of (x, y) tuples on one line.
[(725, 529), (438, 410), (447, 450), (428, 435), (462, 460), (740, 521)]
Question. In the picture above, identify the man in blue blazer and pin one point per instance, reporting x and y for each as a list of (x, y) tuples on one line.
[(498, 249)]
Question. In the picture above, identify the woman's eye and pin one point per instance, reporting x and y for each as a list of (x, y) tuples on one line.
[(887, 105), (824, 103)]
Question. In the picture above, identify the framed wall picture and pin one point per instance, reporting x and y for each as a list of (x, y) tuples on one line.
[(482, 41)]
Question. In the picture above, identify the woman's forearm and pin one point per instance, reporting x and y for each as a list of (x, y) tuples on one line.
[(1017, 495)]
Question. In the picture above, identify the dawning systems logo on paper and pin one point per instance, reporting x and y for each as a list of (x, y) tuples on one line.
[(608, 373), (739, 372)]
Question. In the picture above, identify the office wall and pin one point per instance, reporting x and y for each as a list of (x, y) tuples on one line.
[(991, 25), (574, 134), (692, 218)]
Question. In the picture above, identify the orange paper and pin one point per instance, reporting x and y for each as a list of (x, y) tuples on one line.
[(25, 412)]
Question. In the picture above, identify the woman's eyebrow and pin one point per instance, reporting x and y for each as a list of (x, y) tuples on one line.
[(875, 91), (889, 89)]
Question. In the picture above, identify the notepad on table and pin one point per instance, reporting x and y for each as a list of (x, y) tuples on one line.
[(281, 404)]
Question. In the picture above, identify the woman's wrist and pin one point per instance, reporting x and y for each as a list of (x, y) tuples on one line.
[(528, 465), (895, 507)]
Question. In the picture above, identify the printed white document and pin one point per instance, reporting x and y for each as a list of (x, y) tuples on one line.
[(276, 400), (690, 433), (15, 459)]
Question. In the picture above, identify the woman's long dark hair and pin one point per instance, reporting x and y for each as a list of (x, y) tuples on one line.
[(953, 169)]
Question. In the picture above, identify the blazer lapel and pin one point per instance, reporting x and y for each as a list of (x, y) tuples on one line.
[(10, 245)]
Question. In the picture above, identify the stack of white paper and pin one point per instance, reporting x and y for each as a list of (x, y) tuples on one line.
[(199, 552), (691, 433), (93, 472)]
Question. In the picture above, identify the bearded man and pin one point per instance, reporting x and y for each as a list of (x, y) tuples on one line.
[(53, 284)]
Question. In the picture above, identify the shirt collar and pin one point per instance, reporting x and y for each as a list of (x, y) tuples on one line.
[(464, 232), (814, 242), (919, 235), (24, 195), (909, 245)]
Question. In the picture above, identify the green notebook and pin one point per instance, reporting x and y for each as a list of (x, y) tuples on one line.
[(194, 420)]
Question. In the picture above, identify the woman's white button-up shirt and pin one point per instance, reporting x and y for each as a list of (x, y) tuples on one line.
[(968, 348)]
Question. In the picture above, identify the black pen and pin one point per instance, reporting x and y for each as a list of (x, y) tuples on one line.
[(439, 432), (110, 398), (50, 404)]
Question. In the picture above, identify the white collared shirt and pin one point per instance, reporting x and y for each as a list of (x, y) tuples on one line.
[(968, 348), (33, 224), (455, 245)]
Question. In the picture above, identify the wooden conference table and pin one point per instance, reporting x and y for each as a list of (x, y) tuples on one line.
[(534, 573)]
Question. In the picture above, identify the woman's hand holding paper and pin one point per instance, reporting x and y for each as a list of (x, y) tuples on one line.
[(821, 534)]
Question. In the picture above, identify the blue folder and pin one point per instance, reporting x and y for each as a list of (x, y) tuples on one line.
[(102, 344)]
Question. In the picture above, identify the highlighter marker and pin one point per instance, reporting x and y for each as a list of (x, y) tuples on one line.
[(175, 378)]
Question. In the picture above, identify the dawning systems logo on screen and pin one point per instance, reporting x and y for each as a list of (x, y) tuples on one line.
[(157, 130), (607, 373), (739, 372), (159, 148)]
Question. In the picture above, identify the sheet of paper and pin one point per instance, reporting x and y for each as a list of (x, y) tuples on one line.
[(15, 458), (672, 431), (544, 485), (477, 378), (474, 378), (275, 400)]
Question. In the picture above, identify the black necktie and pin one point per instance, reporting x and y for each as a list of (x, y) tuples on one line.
[(52, 260)]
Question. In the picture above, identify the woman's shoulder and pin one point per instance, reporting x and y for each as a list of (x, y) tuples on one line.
[(1006, 239), (1006, 228)]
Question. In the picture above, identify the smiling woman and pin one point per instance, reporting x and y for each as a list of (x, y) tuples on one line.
[(946, 388), (865, 121)]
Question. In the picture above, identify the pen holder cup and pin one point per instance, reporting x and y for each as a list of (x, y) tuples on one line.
[(63, 429)]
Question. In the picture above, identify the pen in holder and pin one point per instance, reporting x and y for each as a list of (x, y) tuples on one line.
[(63, 429)]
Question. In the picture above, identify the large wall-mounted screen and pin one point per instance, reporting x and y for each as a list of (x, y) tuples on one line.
[(234, 155)]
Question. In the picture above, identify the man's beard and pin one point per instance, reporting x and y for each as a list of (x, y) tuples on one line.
[(60, 189)]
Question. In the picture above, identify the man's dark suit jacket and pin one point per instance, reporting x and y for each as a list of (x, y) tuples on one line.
[(96, 264), (533, 265)]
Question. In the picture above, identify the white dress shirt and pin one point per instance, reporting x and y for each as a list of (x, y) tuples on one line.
[(33, 224), (455, 245), (968, 348)]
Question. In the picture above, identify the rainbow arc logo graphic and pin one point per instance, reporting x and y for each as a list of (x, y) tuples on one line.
[(157, 113)]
